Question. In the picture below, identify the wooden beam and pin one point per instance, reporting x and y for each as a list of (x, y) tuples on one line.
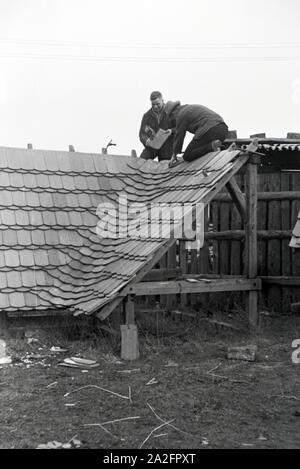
[(239, 235), (237, 196), (161, 274), (284, 195), (129, 309), (251, 239), (198, 286), (282, 281)]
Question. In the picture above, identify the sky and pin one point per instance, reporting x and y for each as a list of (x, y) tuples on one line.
[(80, 72)]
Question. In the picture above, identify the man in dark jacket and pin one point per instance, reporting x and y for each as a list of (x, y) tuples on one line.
[(153, 120), (208, 127)]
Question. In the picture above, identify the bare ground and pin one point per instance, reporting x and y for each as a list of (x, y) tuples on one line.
[(183, 378)]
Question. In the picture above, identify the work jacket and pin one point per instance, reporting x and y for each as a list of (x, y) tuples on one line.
[(193, 118), (155, 121)]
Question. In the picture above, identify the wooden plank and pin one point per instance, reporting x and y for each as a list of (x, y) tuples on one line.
[(286, 252), (171, 264), (251, 241), (274, 246), (215, 226), (204, 285), (295, 253), (224, 254), (204, 264), (183, 267), (163, 265), (290, 281), (239, 235)]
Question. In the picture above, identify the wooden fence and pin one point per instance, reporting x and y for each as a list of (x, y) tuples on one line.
[(223, 251)]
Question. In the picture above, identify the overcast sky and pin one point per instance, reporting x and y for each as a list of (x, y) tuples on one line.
[(80, 72)]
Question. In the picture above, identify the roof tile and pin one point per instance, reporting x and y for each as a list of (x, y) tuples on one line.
[(24, 237), (26, 258), (32, 199), (16, 179), (35, 218), (22, 217), (14, 279), (11, 258), (7, 217), (42, 181)]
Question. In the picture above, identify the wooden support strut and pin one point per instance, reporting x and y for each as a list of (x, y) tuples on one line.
[(237, 196)]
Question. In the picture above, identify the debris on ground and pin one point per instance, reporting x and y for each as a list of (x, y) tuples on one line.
[(76, 362), (71, 444), (247, 353), (57, 349)]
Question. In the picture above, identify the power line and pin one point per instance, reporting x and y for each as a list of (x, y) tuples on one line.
[(123, 45), (91, 58)]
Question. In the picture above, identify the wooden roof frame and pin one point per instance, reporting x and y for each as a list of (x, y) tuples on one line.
[(247, 207)]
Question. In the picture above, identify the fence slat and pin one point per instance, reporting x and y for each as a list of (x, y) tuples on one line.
[(274, 246), (286, 257), (295, 262)]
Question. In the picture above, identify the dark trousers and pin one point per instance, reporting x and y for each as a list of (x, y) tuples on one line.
[(201, 146), (164, 153)]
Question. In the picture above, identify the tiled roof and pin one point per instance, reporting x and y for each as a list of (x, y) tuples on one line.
[(295, 241), (269, 147), (50, 254)]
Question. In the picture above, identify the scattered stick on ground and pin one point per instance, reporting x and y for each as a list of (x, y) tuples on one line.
[(154, 430), (286, 397), (111, 421), (101, 389), (101, 425), (172, 426), (209, 372)]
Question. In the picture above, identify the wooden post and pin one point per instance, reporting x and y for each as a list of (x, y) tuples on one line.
[(129, 335), (251, 238)]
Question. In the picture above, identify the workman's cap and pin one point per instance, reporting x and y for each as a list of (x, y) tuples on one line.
[(170, 106)]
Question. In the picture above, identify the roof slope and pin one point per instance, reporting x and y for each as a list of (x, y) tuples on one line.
[(50, 254)]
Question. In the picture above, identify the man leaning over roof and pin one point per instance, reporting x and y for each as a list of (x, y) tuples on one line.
[(208, 127), (152, 121)]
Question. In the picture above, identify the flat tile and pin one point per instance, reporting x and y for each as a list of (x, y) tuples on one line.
[(4, 300), (26, 258), (14, 279), (35, 218), (4, 179), (55, 181), (32, 199), (42, 181), (38, 237), (49, 218), (11, 258), (18, 198), (7, 217), (28, 278), (3, 281), (9, 238), (24, 237), (16, 179), (17, 300), (30, 180), (41, 257), (22, 217), (51, 237), (6, 198), (62, 218), (46, 199)]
